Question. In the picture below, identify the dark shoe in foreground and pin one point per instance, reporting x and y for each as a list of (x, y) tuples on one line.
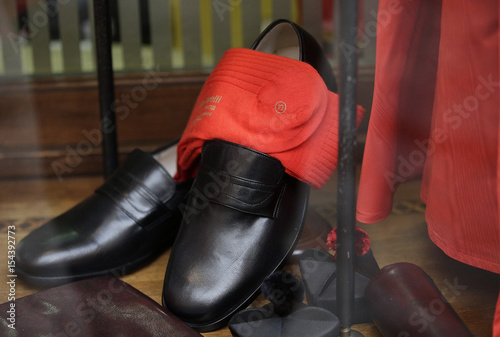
[(130, 219), (285, 315), (319, 274), (241, 223)]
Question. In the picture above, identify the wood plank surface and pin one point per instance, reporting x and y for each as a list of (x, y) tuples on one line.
[(402, 237)]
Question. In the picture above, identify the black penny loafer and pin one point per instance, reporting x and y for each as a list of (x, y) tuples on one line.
[(244, 215), (241, 223), (130, 219)]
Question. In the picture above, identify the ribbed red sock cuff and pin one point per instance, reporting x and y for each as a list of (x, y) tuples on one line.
[(272, 104)]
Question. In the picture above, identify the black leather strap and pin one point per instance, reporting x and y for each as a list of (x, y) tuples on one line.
[(138, 187), (238, 193), (128, 194)]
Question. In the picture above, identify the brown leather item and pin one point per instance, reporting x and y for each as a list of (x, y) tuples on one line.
[(103, 306), (405, 302)]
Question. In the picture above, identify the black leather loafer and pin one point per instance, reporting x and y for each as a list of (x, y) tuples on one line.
[(242, 221), (131, 218), (244, 215)]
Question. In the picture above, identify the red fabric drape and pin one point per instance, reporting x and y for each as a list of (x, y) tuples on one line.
[(435, 115)]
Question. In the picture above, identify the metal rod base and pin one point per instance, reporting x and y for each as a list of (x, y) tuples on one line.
[(348, 332)]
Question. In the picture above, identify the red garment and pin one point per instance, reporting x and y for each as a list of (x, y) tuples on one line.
[(436, 114), (272, 104)]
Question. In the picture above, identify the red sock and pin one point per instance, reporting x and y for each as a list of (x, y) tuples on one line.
[(272, 104)]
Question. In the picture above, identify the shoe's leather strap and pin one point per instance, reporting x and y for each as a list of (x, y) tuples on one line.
[(238, 193), (140, 187)]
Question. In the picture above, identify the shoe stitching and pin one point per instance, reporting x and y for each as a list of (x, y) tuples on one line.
[(109, 188), (247, 203), (244, 183), (113, 200), (265, 200), (279, 201), (129, 201), (144, 187), (239, 180)]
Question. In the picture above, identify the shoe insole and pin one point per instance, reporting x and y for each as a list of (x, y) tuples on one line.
[(282, 41), (290, 52), (168, 159)]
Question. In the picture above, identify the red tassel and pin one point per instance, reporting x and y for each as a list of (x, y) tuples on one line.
[(362, 244), (331, 240)]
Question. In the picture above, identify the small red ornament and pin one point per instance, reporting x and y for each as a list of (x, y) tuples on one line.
[(331, 240), (362, 241)]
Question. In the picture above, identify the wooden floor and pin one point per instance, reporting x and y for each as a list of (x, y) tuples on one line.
[(27, 204)]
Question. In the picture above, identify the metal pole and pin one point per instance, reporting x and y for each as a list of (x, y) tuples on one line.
[(346, 169), (106, 85)]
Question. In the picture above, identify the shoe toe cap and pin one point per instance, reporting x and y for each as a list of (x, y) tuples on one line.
[(195, 303), (203, 299), (51, 250)]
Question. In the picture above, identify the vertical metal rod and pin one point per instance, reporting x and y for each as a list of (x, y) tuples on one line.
[(346, 204), (106, 85)]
